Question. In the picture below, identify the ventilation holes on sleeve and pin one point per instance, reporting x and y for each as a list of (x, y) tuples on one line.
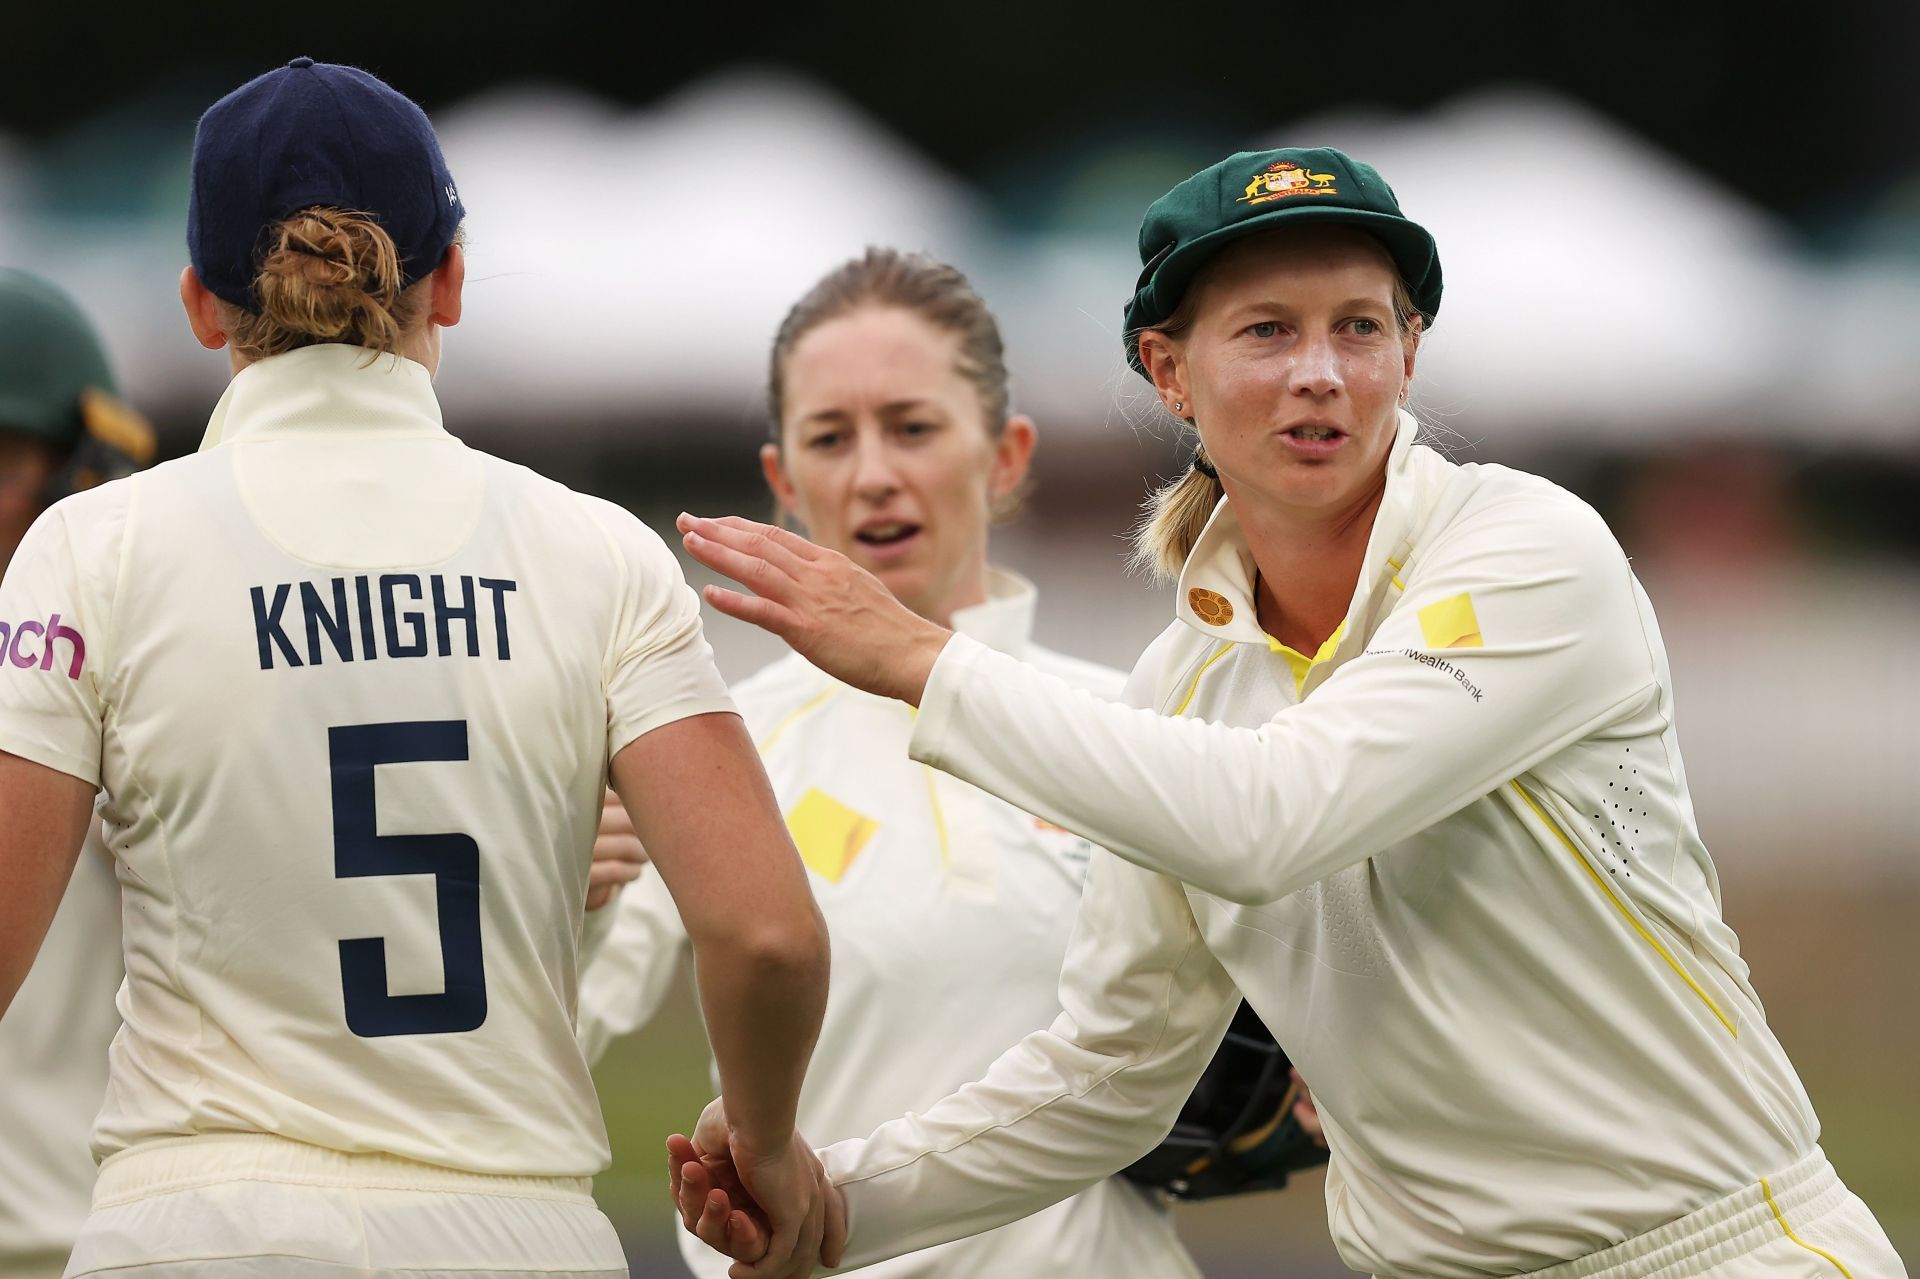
[(1614, 837)]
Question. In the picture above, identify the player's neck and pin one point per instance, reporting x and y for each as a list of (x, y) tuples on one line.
[(422, 346), (1308, 565)]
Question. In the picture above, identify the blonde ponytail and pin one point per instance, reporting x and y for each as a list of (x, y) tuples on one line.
[(1175, 515), (327, 275)]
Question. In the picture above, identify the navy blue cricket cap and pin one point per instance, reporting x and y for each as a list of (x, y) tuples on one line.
[(306, 134)]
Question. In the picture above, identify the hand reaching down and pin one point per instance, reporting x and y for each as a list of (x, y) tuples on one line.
[(777, 1216)]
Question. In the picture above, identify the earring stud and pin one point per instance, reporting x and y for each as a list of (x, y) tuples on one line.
[(1178, 405)]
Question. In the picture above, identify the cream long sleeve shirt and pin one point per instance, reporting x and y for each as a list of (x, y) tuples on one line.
[(1451, 861), (949, 912)]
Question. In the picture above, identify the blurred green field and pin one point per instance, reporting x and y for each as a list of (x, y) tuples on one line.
[(1839, 969)]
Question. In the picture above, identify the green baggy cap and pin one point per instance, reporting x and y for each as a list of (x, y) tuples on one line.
[(50, 358), (1256, 191)]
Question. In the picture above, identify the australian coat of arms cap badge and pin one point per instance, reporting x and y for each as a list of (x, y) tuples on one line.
[(1279, 181)]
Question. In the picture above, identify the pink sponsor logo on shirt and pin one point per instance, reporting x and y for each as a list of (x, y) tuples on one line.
[(30, 644)]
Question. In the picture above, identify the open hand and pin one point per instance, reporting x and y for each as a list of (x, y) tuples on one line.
[(827, 608), (618, 856)]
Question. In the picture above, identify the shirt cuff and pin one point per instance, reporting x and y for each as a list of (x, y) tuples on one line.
[(940, 703), (841, 1161)]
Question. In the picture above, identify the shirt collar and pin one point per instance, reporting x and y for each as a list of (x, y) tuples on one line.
[(1216, 583), (1004, 620), (332, 388)]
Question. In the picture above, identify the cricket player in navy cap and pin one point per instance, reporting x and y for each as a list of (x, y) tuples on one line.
[(351, 692)]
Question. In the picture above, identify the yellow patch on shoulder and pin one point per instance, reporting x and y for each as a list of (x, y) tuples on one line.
[(828, 834), (1211, 607), (1450, 623)]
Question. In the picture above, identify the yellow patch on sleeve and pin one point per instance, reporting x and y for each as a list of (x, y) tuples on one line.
[(828, 834), (1450, 623)]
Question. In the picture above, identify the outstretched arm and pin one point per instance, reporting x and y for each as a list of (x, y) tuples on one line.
[(1145, 1005), (1400, 737)]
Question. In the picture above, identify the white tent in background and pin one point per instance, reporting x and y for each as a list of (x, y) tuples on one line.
[(1593, 284), (1589, 277), (1851, 377), (636, 264), (1593, 279), (621, 264), (632, 266)]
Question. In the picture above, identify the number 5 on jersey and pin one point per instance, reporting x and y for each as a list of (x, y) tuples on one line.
[(452, 859)]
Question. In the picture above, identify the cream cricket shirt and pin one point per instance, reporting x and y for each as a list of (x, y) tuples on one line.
[(1451, 861), (949, 912), (350, 689)]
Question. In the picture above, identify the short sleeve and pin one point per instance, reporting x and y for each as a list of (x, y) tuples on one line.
[(53, 618), (659, 665)]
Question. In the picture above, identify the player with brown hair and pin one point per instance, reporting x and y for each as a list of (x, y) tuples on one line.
[(351, 692), (894, 441)]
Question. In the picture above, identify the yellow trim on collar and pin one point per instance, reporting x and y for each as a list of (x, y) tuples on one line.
[(1302, 665)]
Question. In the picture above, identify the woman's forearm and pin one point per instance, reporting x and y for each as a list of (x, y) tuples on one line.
[(763, 999), (1144, 1003), (759, 943)]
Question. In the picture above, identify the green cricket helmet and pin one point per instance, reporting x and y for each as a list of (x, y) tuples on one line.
[(56, 386)]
